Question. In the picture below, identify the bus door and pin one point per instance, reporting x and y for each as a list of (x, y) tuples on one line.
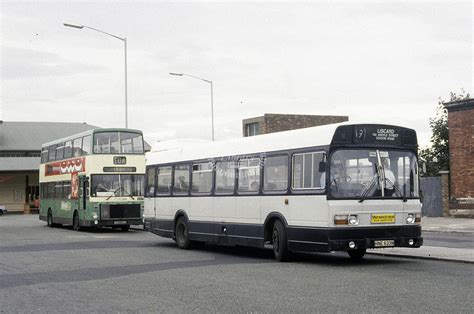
[(83, 185)]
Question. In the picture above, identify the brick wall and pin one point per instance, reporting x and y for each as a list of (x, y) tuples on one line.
[(461, 150), (272, 122), (284, 122)]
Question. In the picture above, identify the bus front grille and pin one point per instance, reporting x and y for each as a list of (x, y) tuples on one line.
[(124, 211)]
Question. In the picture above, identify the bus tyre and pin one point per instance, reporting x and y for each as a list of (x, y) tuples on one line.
[(125, 228), (181, 232), (49, 219), (356, 254), (280, 243), (75, 222)]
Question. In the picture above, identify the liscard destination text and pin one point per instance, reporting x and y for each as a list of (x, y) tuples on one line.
[(385, 135)]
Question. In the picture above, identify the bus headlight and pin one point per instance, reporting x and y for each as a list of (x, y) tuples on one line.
[(353, 220), (94, 216), (411, 218)]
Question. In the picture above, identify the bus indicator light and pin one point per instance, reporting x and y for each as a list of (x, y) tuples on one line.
[(340, 219)]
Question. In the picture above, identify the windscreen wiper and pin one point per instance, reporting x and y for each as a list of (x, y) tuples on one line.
[(367, 189), (397, 190), (114, 193)]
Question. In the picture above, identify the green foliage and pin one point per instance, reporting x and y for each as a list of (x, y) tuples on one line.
[(436, 156)]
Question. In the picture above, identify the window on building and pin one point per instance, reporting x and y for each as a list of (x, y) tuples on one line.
[(181, 179), (275, 174), (306, 173), (164, 180), (252, 129), (225, 177), (249, 175), (202, 178)]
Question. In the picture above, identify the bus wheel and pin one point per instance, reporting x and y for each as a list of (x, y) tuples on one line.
[(280, 243), (49, 219), (356, 253), (181, 231), (125, 228), (75, 222)]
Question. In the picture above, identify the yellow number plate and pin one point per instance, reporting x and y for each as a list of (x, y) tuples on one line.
[(383, 218)]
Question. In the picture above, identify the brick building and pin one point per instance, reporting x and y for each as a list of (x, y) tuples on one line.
[(271, 122), (461, 156)]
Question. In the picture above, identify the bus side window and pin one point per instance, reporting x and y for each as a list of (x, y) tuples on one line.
[(67, 189), (50, 189), (163, 180), (86, 145), (77, 147), (68, 149), (275, 173), (60, 151), (181, 179), (44, 155), (249, 175), (150, 182), (202, 178), (225, 177), (52, 153), (306, 174)]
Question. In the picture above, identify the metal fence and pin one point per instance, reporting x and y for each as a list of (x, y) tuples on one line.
[(432, 196)]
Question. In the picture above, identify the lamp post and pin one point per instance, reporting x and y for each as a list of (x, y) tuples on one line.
[(124, 39), (212, 96)]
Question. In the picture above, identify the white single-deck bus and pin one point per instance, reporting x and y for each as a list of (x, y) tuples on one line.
[(93, 179), (339, 187)]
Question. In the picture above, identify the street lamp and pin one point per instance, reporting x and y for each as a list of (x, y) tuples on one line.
[(212, 95), (124, 39)]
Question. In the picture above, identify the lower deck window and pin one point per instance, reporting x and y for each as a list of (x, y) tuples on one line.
[(202, 178), (249, 175)]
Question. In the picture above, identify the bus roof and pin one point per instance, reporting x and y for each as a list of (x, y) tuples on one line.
[(175, 150), (97, 130)]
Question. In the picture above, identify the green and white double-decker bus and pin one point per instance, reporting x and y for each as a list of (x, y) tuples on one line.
[(93, 179)]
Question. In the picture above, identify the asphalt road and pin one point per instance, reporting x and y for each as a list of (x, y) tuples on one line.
[(58, 270)]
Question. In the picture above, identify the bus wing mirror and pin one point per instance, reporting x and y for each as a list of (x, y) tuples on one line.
[(322, 166)]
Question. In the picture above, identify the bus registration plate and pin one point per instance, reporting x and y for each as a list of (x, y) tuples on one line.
[(384, 243), (120, 222), (382, 218)]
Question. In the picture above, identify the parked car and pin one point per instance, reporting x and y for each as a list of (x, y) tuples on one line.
[(3, 210)]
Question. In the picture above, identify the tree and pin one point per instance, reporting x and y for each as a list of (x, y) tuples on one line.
[(436, 156)]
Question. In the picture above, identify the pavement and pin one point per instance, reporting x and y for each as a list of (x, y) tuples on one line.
[(432, 227)]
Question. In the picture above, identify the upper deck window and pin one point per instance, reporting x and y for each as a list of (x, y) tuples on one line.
[(118, 143)]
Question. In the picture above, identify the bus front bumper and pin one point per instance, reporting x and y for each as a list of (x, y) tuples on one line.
[(114, 222), (339, 239)]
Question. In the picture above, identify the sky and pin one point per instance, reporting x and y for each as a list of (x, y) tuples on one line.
[(374, 61)]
